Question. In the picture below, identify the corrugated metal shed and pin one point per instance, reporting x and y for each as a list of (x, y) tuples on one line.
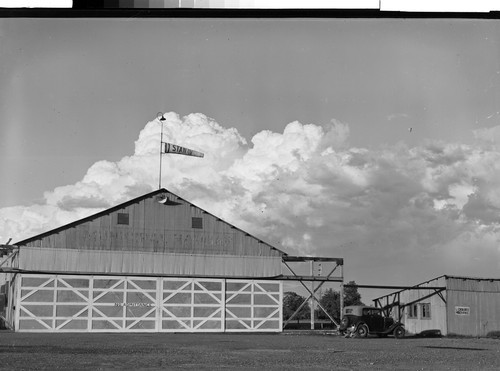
[(455, 305), (473, 306)]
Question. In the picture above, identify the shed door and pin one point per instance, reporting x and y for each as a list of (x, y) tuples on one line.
[(192, 305)]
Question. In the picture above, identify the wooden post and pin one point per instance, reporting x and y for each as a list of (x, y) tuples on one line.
[(341, 291), (313, 296)]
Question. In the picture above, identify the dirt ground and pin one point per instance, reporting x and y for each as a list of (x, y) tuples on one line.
[(285, 351)]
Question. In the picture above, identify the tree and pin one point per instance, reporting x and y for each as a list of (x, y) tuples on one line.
[(351, 295), (291, 302), (330, 300)]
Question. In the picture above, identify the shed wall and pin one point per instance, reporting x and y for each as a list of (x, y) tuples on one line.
[(417, 324), (473, 306), (473, 284)]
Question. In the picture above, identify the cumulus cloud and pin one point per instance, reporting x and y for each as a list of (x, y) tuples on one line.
[(491, 134), (418, 212)]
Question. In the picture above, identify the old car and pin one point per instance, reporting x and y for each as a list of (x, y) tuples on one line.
[(361, 320)]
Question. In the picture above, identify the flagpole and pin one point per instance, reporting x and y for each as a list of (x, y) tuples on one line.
[(161, 119)]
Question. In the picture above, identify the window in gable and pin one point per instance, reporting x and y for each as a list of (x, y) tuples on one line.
[(123, 218), (197, 223)]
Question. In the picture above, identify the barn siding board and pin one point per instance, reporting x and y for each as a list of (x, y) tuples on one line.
[(70, 235), (104, 227), (156, 222)]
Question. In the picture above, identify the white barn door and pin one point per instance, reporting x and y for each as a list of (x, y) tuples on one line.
[(123, 304), (253, 306), (192, 305), (64, 303)]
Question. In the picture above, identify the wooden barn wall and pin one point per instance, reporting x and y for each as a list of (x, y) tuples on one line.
[(8, 288), (437, 318), (155, 227), (473, 307), (418, 324), (11, 288), (136, 262), (10, 261)]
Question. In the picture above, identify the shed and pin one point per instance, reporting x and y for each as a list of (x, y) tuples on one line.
[(455, 305)]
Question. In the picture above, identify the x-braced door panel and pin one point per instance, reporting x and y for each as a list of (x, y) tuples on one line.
[(253, 306), (124, 304), (192, 305), (52, 303)]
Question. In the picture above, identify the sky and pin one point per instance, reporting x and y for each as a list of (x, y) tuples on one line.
[(373, 140)]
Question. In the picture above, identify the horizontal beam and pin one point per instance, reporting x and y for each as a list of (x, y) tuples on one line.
[(311, 278), (288, 258), (272, 278), (394, 287)]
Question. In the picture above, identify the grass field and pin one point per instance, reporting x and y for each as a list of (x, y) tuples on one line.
[(285, 351)]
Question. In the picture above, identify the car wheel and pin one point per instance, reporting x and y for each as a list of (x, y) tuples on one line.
[(362, 331), (399, 332)]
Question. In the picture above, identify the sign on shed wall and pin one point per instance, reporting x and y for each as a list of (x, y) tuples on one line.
[(462, 311)]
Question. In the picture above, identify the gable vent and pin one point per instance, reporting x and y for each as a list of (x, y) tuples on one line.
[(197, 223), (123, 219)]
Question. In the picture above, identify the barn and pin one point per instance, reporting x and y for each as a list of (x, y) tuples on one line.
[(155, 263), (454, 305)]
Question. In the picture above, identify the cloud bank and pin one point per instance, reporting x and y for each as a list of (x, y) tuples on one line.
[(401, 214)]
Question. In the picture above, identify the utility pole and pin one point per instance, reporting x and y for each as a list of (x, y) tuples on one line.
[(342, 292), (160, 118)]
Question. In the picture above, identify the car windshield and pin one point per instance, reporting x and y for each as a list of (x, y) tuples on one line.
[(371, 312)]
